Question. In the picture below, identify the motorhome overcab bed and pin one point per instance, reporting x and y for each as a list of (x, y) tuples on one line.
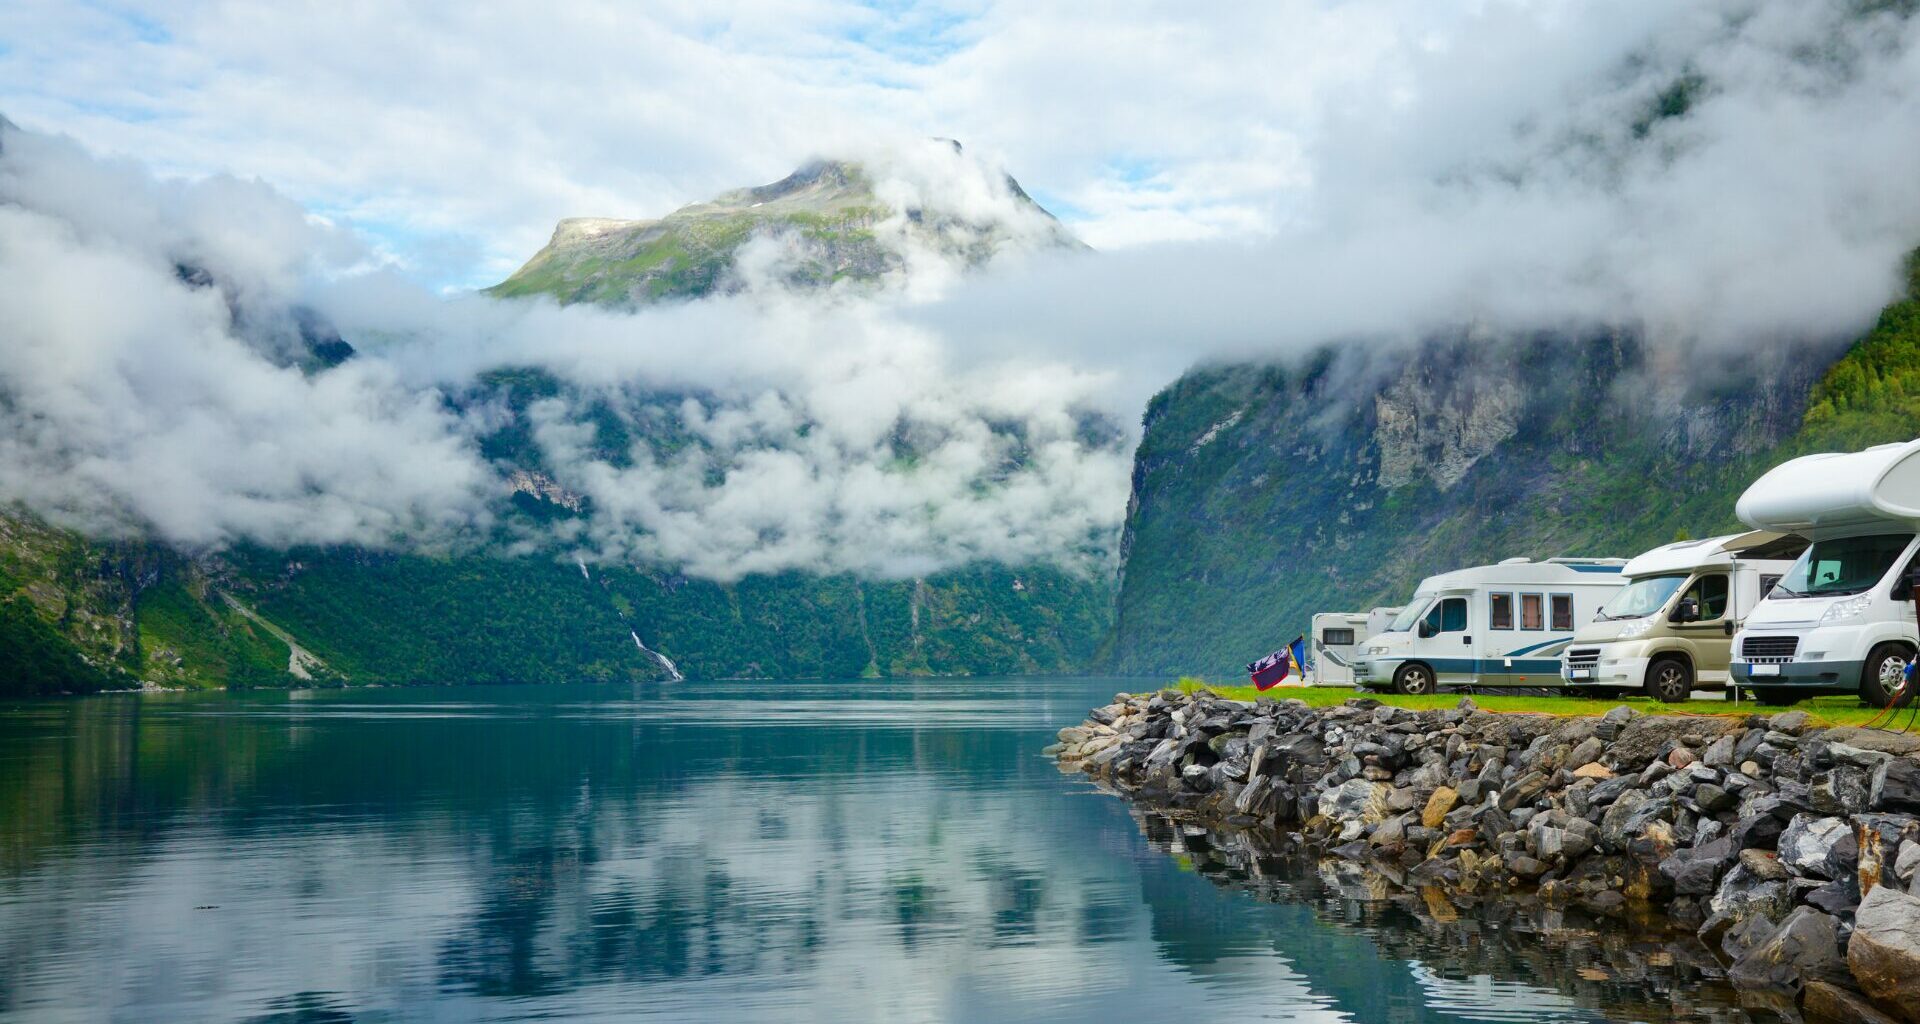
[(1669, 630), (1488, 626), (1842, 618)]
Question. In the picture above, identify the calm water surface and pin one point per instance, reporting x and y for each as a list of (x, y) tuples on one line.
[(717, 851)]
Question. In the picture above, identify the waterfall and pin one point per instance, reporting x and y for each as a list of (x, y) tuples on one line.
[(673, 671)]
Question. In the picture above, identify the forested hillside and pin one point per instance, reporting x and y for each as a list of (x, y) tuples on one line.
[(1263, 494)]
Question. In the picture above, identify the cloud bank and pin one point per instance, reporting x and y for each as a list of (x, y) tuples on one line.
[(1727, 178)]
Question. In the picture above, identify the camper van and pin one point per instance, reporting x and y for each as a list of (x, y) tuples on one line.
[(1492, 625), (1669, 629), (1332, 645), (1842, 618)]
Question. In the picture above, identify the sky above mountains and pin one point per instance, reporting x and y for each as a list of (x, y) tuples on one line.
[(456, 134)]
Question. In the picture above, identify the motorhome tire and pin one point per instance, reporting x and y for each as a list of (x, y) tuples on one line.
[(1413, 677), (1881, 676), (1669, 680)]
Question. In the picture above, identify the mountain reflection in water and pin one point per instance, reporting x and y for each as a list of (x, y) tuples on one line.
[(712, 851)]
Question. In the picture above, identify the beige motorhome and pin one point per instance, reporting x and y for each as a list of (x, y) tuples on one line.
[(1669, 630)]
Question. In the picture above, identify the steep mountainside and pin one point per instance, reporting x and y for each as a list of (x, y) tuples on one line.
[(828, 210), (1263, 494), (79, 615)]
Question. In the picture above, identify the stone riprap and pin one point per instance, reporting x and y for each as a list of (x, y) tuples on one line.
[(1771, 838)]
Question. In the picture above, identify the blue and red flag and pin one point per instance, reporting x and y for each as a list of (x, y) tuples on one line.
[(1269, 671)]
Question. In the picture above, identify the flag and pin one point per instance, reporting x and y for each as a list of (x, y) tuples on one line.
[(1269, 671)]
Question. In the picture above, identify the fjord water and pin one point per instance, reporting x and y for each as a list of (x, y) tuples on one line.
[(703, 851)]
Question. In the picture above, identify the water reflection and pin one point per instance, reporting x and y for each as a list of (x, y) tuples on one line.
[(732, 851)]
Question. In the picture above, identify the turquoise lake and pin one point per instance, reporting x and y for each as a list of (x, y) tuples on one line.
[(803, 851)]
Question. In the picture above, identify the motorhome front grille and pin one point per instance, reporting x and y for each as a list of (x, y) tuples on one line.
[(1583, 657), (1769, 650)]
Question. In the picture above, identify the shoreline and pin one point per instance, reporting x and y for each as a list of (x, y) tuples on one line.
[(1788, 848)]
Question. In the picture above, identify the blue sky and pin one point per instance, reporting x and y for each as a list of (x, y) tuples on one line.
[(453, 135)]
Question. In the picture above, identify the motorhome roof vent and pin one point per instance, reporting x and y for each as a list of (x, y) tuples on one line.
[(1515, 561)]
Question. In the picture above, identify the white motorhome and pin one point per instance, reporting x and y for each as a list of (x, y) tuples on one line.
[(1670, 629), (1335, 643), (1491, 625), (1842, 619)]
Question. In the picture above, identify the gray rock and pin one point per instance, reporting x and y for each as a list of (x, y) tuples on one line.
[(1884, 952), (1837, 897), (1763, 866), (1805, 946), (1793, 723), (1826, 1001), (1818, 847), (1908, 859), (1585, 754), (1896, 786), (1714, 799), (1719, 753), (1743, 894), (1697, 871), (1877, 839)]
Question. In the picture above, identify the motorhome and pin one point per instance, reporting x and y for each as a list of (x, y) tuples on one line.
[(1488, 626), (1842, 618), (1335, 643), (1669, 630)]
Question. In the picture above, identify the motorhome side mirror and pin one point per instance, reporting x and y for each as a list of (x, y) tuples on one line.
[(1913, 583), (1428, 630), (1688, 611)]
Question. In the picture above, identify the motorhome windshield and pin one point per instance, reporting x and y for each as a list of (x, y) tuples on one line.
[(1408, 615), (1642, 597), (1843, 565)]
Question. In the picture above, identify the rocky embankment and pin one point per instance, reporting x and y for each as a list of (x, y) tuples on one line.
[(1793, 850)]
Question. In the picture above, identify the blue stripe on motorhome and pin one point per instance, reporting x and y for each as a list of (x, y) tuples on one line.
[(1496, 666), (1518, 651)]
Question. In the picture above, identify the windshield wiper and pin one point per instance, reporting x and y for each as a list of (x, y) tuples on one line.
[(1782, 590)]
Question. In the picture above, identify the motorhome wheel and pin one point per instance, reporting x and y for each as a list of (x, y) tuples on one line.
[(1413, 678), (1885, 670), (1669, 680)]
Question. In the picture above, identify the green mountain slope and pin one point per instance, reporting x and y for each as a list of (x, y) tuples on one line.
[(1265, 494)]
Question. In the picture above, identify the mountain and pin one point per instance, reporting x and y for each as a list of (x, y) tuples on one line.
[(79, 614), (828, 211), (1265, 493)]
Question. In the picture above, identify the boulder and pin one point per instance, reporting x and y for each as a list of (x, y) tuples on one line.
[(1743, 895), (1592, 770), (1877, 839), (1825, 1001), (1907, 861), (1354, 805), (1793, 723), (1837, 897), (1588, 752), (1696, 872), (1818, 847), (1896, 786), (1805, 946), (1884, 952), (1442, 801), (1896, 743), (1764, 866)]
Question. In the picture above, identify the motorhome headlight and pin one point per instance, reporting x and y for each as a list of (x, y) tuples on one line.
[(1851, 608), (1637, 627)]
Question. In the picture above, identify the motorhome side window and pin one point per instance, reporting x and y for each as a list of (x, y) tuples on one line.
[(1499, 611), (1532, 612), (1336, 637), (1711, 594), (1562, 612), (1842, 565), (1448, 616)]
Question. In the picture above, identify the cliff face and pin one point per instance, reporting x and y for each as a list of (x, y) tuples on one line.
[(1263, 494)]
